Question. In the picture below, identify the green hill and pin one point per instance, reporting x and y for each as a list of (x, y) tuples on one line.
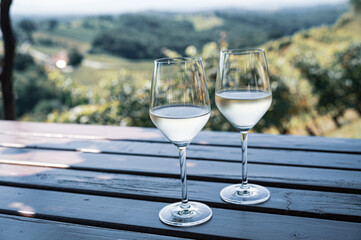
[(318, 68), (147, 34)]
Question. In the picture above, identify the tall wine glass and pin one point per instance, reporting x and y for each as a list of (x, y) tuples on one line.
[(180, 108), (243, 96)]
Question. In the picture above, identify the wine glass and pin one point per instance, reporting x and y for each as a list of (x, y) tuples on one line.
[(243, 96), (180, 108)]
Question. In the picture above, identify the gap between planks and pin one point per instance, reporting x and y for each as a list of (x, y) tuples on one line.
[(226, 224), (162, 139), (222, 205), (96, 151), (195, 177)]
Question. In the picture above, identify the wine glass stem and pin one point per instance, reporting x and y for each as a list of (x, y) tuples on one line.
[(244, 139), (183, 173)]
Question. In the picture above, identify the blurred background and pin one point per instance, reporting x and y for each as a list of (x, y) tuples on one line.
[(91, 62)]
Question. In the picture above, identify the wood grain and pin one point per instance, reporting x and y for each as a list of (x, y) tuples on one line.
[(77, 131), (218, 171), (108, 182), (328, 205), (24, 228), (142, 216), (198, 152)]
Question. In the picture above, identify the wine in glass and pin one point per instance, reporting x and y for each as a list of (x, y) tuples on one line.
[(180, 108), (243, 96)]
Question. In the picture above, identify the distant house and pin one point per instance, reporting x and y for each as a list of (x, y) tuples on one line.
[(60, 59)]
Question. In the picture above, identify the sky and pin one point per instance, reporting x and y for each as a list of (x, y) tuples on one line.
[(88, 7)]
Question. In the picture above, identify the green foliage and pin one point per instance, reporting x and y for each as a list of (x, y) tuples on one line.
[(143, 36), (31, 86), (45, 41), (39, 92), (98, 22), (284, 42), (356, 4), (116, 102), (138, 36), (302, 85), (65, 90), (314, 72), (282, 109), (202, 22), (23, 61), (28, 27), (337, 87), (350, 63), (75, 57), (52, 24), (285, 105), (42, 109)]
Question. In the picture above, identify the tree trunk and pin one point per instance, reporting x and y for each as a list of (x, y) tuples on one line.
[(336, 121), (312, 128), (358, 109), (7, 61), (282, 129), (310, 131)]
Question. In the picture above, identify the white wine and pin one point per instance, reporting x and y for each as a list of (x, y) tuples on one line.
[(180, 123), (243, 108)]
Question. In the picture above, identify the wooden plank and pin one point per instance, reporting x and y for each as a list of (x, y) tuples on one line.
[(142, 216), (263, 156), (77, 131), (328, 205), (270, 175), (16, 228)]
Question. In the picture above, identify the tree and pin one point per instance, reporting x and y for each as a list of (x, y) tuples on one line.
[(356, 5), (324, 86), (75, 57), (7, 61), (28, 27), (349, 63), (338, 87), (31, 86), (23, 61), (52, 24)]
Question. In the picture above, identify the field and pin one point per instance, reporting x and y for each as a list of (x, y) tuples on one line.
[(95, 67)]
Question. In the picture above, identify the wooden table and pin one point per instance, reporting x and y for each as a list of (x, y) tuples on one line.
[(100, 182)]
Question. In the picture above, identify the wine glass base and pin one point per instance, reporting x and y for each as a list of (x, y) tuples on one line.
[(175, 215), (252, 195)]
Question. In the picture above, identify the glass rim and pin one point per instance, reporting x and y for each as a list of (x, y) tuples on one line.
[(177, 60), (243, 51)]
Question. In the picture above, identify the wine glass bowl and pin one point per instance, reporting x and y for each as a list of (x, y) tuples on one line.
[(179, 102), (243, 95), (180, 108)]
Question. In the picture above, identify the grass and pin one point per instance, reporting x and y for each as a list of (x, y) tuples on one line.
[(78, 34), (47, 50), (90, 77), (201, 22), (63, 41), (118, 62), (114, 68), (140, 69)]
